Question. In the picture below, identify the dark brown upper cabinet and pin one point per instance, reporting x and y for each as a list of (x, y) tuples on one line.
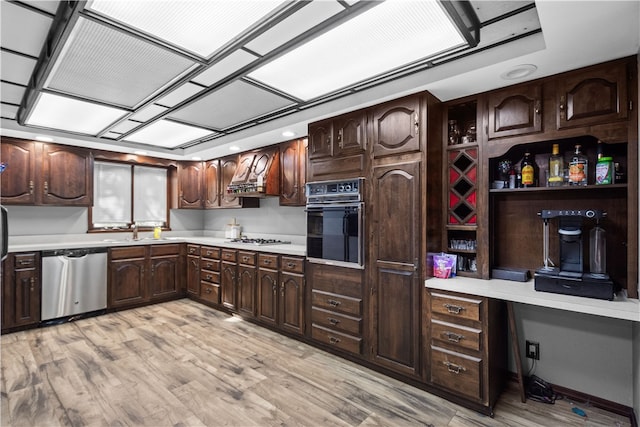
[(320, 139), (190, 182), (596, 95), (212, 184), (292, 173), (396, 127), (46, 174), (349, 133), (515, 111)]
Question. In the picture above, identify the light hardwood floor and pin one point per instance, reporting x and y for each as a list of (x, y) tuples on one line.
[(184, 364)]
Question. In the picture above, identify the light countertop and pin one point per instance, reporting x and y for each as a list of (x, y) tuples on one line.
[(620, 308)]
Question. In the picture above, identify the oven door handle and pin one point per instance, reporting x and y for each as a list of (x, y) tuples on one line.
[(333, 205)]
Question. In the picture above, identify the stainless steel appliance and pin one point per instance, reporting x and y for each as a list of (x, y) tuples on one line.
[(335, 222), (570, 278), (258, 241), (74, 282)]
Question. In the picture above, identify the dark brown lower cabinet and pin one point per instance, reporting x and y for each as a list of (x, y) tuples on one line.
[(247, 283), (228, 279), (20, 290), (140, 275), (466, 346)]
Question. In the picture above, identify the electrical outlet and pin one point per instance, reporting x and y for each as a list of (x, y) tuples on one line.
[(532, 350)]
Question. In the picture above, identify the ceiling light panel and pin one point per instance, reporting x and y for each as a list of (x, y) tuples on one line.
[(168, 134), (306, 18), (15, 19), (178, 95), (233, 104), (104, 64), (69, 114), (201, 27), (148, 112), (126, 126), (16, 68), (8, 111), (230, 64), (389, 35)]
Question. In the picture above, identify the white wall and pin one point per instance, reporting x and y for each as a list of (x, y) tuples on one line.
[(45, 220), (270, 218), (583, 352)]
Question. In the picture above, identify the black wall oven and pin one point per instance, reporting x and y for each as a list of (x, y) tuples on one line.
[(335, 223)]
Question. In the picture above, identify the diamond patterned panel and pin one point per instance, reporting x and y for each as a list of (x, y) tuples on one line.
[(462, 187)]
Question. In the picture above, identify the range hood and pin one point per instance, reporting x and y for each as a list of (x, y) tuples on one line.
[(257, 174)]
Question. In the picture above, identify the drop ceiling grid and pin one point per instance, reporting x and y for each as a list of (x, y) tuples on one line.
[(16, 68), (22, 30), (232, 104), (104, 64)]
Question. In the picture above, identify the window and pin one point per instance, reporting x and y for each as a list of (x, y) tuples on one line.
[(124, 194)]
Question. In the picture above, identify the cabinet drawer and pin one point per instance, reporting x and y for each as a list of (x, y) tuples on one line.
[(210, 292), (209, 252), (333, 320), (165, 249), (456, 371), (229, 255), (456, 335), (210, 276), (336, 339), (294, 265), (268, 261), (25, 261), (128, 252), (193, 249), (336, 302), (209, 264), (460, 307), (247, 258)]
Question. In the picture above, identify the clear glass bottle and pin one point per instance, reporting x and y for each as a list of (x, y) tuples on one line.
[(528, 171), (578, 168), (556, 168)]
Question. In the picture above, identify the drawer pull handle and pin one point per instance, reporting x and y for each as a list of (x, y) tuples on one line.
[(24, 262), (453, 337), (333, 302), (334, 340), (209, 277), (453, 368), (291, 264), (267, 261), (454, 309), (245, 258), (208, 290), (333, 321)]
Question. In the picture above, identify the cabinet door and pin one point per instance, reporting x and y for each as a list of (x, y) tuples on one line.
[(349, 133), (165, 276), (18, 180), (67, 176), (193, 275), (396, 285), (212, 184), (247, 290), (227, 170), (228, 279), (127, 285), (268, 296), (243, 169), (292, 302), (190, 182), (320, 142), (396, 127), (597, 95), (515, 111), (291, 174), (26, 300)]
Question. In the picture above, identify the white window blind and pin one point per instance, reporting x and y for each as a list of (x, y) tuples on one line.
[(149, 195), (111, 195)]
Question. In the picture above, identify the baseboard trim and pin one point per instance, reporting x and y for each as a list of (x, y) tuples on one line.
[(598, 402)]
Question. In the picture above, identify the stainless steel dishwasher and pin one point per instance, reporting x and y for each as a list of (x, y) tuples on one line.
[(74, 282)]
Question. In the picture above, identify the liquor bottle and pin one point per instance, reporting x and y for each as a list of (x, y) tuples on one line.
[(528, 171), (556, 167), (578, 168)]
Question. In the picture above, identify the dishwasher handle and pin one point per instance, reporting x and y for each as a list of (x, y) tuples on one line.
[(73, 253)]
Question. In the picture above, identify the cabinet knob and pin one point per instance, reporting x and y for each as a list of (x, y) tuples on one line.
[(207, 290), (562, 107), (46, 187), (536, 107), (30, 187), (33, 283)]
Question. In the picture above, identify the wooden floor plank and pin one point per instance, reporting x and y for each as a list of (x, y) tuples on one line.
[(184, 364)]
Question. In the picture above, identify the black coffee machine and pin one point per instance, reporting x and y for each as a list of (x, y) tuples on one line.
[(569, 277)]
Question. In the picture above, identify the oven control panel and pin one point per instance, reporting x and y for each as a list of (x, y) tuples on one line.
[(349, 189)]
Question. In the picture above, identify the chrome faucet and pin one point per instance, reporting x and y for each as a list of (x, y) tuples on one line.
[(135, 230)]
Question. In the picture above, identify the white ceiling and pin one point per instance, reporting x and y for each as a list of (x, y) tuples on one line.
[(574, 34)]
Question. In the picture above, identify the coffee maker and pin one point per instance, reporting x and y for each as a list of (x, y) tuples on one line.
[(570, 277)]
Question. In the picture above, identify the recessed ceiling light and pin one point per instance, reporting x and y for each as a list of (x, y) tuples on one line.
[(234, 148), (140, 153), (519, 72), (288, 133), (44, 138), (196, 158)]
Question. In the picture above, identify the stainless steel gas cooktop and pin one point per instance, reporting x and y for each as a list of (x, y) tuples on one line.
[(259, 242)]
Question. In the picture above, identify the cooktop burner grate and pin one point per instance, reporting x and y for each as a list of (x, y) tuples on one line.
[(259, 242)]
